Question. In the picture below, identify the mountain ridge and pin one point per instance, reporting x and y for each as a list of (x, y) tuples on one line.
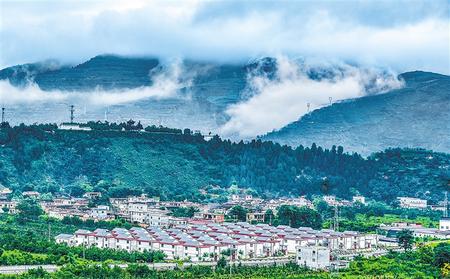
[(423, 104)]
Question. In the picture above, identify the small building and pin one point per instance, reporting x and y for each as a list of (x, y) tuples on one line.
[(407, 202), (92, 195), (360, 199), (101, 212), (4, 192), (444, 224), (73, 126), (68, 239), (314, 257), (31, 194), (8, 207), (387, 242), (330, 200), (257, 217), (210, 216)]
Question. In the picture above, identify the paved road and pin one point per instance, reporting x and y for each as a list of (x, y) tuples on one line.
[(17, 269)]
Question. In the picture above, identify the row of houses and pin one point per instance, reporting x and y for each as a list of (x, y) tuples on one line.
[(204, 241), (418, 230)]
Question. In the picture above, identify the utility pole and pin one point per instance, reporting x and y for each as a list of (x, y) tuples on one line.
[(446, 205)]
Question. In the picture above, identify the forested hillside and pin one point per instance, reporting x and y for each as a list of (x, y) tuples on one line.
[(175, 164), (417, 115)]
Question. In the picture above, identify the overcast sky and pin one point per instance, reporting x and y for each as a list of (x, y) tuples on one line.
[(401, 35)]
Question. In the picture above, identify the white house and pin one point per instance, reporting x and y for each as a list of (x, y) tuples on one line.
[(444, 224), (314, 257), (407, 202), (101, 212)]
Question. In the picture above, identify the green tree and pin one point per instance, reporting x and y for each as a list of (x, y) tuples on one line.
[(442, 254), (405, 239), (29, 209), (295, 217), (238, 212)]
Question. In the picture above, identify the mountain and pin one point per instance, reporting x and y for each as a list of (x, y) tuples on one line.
[(176, 165), (208, 89), (417, 115)]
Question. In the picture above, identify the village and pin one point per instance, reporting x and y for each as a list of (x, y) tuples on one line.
[(210, 234)]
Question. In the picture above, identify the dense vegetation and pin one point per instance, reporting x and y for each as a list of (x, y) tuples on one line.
[(175, 164)]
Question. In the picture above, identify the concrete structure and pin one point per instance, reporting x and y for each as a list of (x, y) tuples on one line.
[(314, 257), (444, 224), (407, 202)]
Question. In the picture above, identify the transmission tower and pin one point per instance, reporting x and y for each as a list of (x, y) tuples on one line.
[(3, 115), (336, 218), (72, 111), (309, 106), (331, 99)]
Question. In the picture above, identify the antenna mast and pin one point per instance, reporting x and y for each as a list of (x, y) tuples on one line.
[(72, 110)]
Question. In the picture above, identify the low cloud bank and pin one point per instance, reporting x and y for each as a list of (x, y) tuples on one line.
[(165, 85), (276, 102)]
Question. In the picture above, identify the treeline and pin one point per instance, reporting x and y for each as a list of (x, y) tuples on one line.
[(175, 164)]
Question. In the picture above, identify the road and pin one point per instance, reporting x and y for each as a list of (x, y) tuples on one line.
[(17, 269)]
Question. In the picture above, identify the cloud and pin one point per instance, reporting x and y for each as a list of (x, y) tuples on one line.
[(403, 35), (281, 100), (166, 85)]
